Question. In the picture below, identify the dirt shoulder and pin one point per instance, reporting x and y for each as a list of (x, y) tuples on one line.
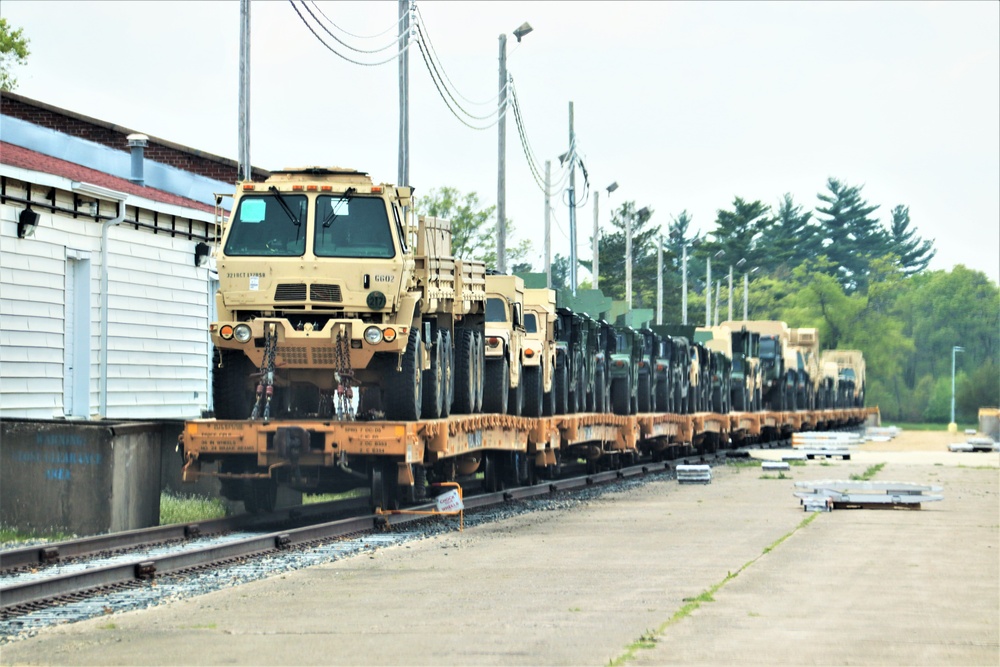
[(620, 579)]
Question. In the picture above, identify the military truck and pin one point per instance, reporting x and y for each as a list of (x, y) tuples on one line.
[(804, 341), (327, 285), (646, 389), (777, 381), (624, 370), (850, 375), (719, 341), (539, 352), (572, 346), (503, 367), (684, 366), (605, 345)]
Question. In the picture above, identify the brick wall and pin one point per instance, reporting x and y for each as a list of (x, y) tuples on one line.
[(190, 160)]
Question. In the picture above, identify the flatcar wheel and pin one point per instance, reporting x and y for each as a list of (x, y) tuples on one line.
[(260, 495), (384, 489), (491, 473)]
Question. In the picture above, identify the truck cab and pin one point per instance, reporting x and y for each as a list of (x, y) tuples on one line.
[(503, 367), (539, 351)]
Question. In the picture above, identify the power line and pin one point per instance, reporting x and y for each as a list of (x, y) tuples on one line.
[(333, 50), (340, 41), (394, 26)]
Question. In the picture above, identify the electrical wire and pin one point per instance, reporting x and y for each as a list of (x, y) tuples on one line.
[(341, 55), (426, 36), (394, 26), (444, 97), (340, 41)]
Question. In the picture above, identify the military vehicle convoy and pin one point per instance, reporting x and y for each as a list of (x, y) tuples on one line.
[(327, 285)]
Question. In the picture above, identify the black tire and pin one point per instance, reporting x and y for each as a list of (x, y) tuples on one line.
[(448, 356), (496, 386), (404, 390), (492, 475), (645, 393), (433, 381), (465, 372), (515, 402), (661, 394), (232, 388), (600, 391), (532, 381), (480, 361), (621, 399), (548, 397), (560, 386), (717, 404), (739, 400)]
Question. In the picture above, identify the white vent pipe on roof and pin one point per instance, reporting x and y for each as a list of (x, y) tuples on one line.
[(137, 142)]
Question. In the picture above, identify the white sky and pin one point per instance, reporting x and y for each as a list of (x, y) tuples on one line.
[(685, 105)]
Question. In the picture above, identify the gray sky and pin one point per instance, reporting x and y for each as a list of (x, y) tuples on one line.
[(685, 105)]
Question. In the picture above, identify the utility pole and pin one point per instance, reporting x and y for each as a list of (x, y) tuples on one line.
[(403, 177), (596, 269), (502, 161), (244, 106), (708, 292), (746, 294), (718, 297), (730, 318), (684, 284), (659, 280), (548, 225), (628, 260), (572, 204), (952, 426)]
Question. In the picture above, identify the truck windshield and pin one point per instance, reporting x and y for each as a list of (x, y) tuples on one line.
[(352, 227), (261, 227), (530, 324), (768, 348), (495, 310)]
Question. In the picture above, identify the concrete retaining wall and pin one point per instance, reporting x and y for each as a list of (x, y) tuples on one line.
[(83, 478)]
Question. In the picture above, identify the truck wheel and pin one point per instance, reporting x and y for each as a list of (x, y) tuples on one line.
[(560, 385), (515, 402), (448, 372), (621, 399), (231, 386), (403, 391), (662, 395), (739, 400), (645, 393), (496, 386), (433, 381), (600, 392), (717, 405), (479, 359), (548, 397), (465, 372), (532, 381)]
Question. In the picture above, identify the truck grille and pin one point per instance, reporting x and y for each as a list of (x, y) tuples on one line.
[(290, 292), (327, 293)]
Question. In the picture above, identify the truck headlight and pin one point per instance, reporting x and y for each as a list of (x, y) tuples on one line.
[(373, 335), (242, 333)]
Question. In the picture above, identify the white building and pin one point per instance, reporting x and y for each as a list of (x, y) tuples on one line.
[(106, 286)]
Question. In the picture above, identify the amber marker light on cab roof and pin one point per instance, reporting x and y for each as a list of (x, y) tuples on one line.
[(311, 188), (377, 189), (248, 186), (296, 187)]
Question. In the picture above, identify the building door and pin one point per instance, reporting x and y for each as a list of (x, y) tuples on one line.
[(76, 382)]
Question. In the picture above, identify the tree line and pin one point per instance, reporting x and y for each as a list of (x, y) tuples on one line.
[(862, 283)]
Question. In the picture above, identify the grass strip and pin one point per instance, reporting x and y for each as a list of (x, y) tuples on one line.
[(649, 639), (868, 474)]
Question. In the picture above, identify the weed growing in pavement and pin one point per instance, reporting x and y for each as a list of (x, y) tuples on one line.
[(825, 464), (796, 462), (182, 509), (107, 626), (743, 463), (780, 475), (868, 474), (649, 638), (753, 614)]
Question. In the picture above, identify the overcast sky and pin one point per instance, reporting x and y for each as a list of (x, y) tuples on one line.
[(685, 105)]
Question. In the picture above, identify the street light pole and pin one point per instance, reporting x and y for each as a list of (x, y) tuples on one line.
[(684, 284), (628, 261), (730, 318), (521, 31), (952, 426), (659, 280)]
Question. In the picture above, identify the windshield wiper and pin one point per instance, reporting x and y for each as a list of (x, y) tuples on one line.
[(284, 205), (332, 215)]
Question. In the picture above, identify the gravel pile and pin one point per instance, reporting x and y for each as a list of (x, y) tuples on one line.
[(167, 588)]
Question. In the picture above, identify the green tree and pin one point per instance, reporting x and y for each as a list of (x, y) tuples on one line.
[(914, 252), (792, 238), (612, 252), (980, 388), (473, 226), (738, 233), (850, 236), (13, 51)]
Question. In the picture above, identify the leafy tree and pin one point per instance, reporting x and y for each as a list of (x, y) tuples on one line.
[(914, 253), (560, 272), (473, 226), (979, 389), (850, 236), (13, 51)]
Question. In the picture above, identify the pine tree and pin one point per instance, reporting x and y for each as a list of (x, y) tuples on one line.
[(914, 253), (791, 240), (851, 238)]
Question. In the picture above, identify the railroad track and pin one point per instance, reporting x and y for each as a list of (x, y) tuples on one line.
[(137, 566)]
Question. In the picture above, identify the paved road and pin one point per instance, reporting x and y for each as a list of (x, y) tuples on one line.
[(612, 582)]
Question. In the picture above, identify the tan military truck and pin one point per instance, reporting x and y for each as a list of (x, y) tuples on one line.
[(850, 376), (539, 352), (326, 284), (805, 342), (503, 366)]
